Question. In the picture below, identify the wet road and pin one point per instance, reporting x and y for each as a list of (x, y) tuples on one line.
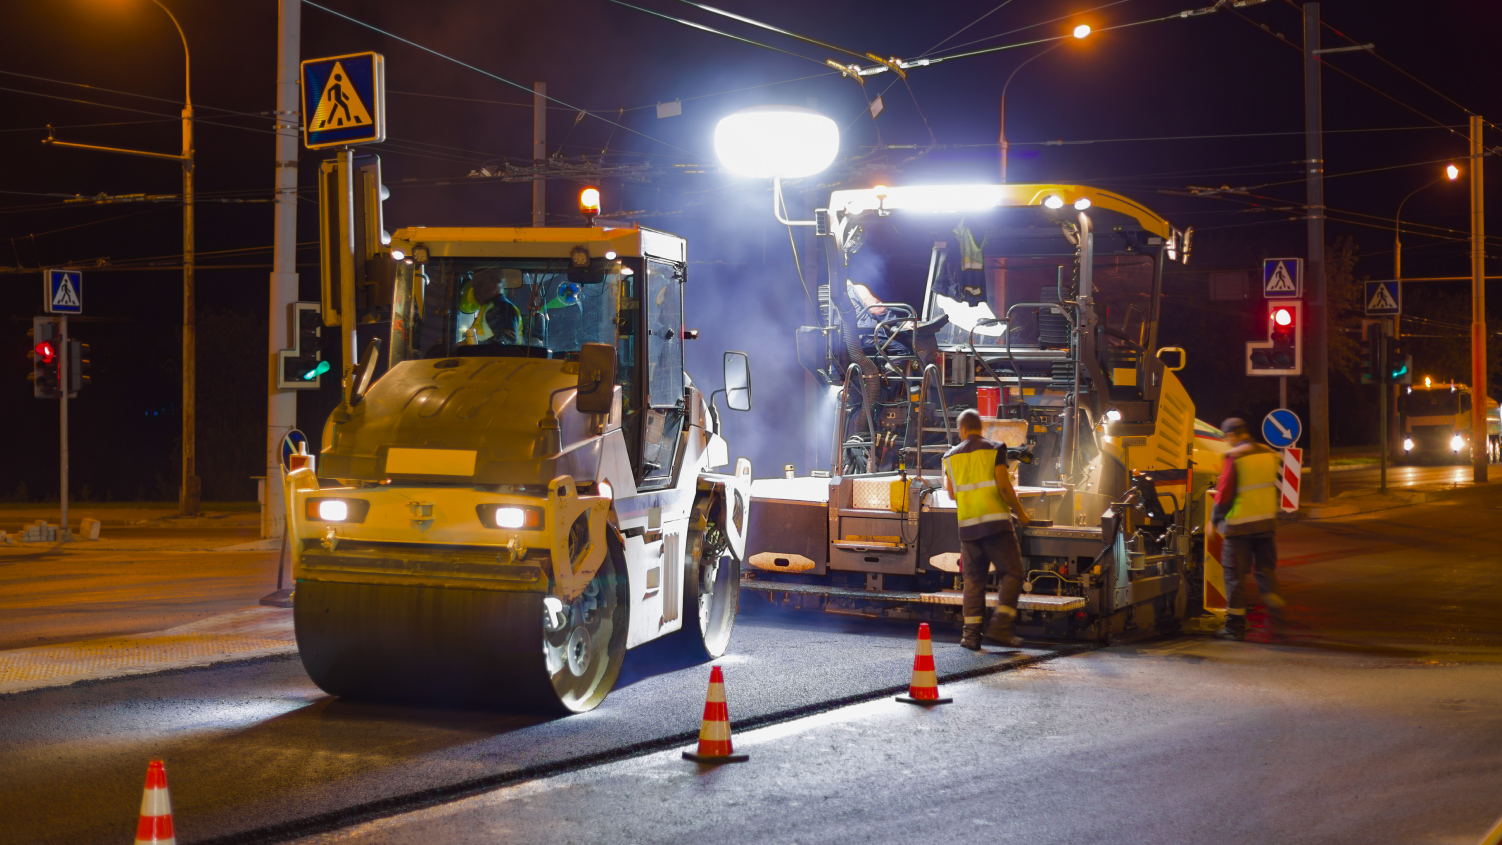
[(1369, 477), (1379, 722)]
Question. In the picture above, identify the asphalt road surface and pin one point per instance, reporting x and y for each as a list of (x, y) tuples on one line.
[(1378, 722), (137, 578), (1417, 475)]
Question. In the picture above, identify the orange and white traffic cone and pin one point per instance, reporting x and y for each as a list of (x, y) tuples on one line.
[(155, 827), (714, 735), (924, 688)]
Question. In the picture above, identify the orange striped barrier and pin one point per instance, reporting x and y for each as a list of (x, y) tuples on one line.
[(714, 734), (155, 826), (924, 688)]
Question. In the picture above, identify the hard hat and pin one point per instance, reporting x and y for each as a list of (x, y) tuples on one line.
[(467, 302)]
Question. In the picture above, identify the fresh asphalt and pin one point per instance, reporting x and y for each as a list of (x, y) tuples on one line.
[(1379, 721)]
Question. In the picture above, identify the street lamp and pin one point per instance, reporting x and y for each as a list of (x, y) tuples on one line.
[(1452, 173), (1080, 33), (189, 493)]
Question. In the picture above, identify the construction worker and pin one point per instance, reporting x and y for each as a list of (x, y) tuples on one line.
[(1246, 515), (975, 474)]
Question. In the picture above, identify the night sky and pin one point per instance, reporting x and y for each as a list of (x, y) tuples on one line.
[(1147, 96)]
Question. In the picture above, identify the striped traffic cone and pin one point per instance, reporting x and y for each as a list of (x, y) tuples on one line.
[(714, 735), (924, 688), (155, 827)]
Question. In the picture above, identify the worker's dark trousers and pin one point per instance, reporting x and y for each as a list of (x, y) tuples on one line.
[(1241, 556), (976, 559)]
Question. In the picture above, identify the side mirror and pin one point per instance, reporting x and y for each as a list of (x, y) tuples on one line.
[(738, 381), (364, 372), (1182, 359), (596, 379)]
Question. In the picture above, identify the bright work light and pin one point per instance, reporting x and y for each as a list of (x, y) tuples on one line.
[(333, 510), (1408, 444), (1081, 204), (510, 517), (776, 142), (1053, 201)]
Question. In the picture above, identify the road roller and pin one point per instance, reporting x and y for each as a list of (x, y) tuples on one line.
[(521, 481)]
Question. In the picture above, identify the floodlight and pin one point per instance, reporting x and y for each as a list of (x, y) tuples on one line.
[(1081, 204), (776, 142), (1053, 201)]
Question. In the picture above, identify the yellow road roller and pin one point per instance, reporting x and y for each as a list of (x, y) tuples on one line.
[(521, 482)]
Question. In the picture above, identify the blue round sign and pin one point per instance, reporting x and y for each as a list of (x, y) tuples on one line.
[(1281, 428), (293, 444)]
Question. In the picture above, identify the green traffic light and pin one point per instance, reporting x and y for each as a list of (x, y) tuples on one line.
[(323, 367)]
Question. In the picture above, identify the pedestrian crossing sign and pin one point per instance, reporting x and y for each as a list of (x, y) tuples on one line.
[(1384, 298), (1283, 278), (344, 101), (63, 291)]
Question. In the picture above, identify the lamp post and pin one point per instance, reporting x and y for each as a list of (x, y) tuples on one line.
[(188, 494), (1451, 174), (1080, 32)]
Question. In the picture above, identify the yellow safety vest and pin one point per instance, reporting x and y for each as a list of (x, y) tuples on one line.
[(975, 492), (1256, 488)]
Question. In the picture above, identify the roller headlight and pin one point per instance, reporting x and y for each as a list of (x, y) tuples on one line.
[(336, 510), (1408, 444), (510, 517), (1456, 443)]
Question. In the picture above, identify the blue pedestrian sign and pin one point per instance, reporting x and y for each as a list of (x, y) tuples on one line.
[(344, 101), (1283, 278), (1281, 428), (62, 292), (1384, 299)]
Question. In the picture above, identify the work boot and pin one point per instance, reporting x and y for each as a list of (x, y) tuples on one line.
[(970, 637), (1000, 629), (1229, 633)]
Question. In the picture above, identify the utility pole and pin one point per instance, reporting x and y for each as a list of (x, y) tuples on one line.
[(539, 152), (281, 405), (1479, 453), (1318, 360)]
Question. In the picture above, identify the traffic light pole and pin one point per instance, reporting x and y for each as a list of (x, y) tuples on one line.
[(1386, 372), (1317, 361), (63, 372)]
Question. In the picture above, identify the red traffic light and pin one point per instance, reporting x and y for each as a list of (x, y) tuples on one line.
[(45, 352), (1283, 317)]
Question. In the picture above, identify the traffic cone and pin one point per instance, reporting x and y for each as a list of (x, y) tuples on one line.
[(155, 827), (714, 735), (924, 688)]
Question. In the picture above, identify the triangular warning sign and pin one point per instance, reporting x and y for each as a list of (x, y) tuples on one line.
[(339, 106), (1281, 282), (66, 296), (1382, 300)]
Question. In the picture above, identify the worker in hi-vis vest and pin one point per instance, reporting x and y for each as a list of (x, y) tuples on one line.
[(975, 474), (1246, 515)]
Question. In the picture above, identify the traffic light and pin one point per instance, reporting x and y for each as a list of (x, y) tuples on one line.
[(1282, 353), (1399, 362), (78, 366), (1371, 352), (302, 367), (46, 357)]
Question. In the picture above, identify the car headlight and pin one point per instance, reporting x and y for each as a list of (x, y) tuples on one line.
[(1408, 444), (1456, 442), (512, 517), (336, 510)]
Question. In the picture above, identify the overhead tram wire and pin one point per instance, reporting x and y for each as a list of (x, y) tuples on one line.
[(994, 10), (1040, 23), (486, 73), (770, 28)]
